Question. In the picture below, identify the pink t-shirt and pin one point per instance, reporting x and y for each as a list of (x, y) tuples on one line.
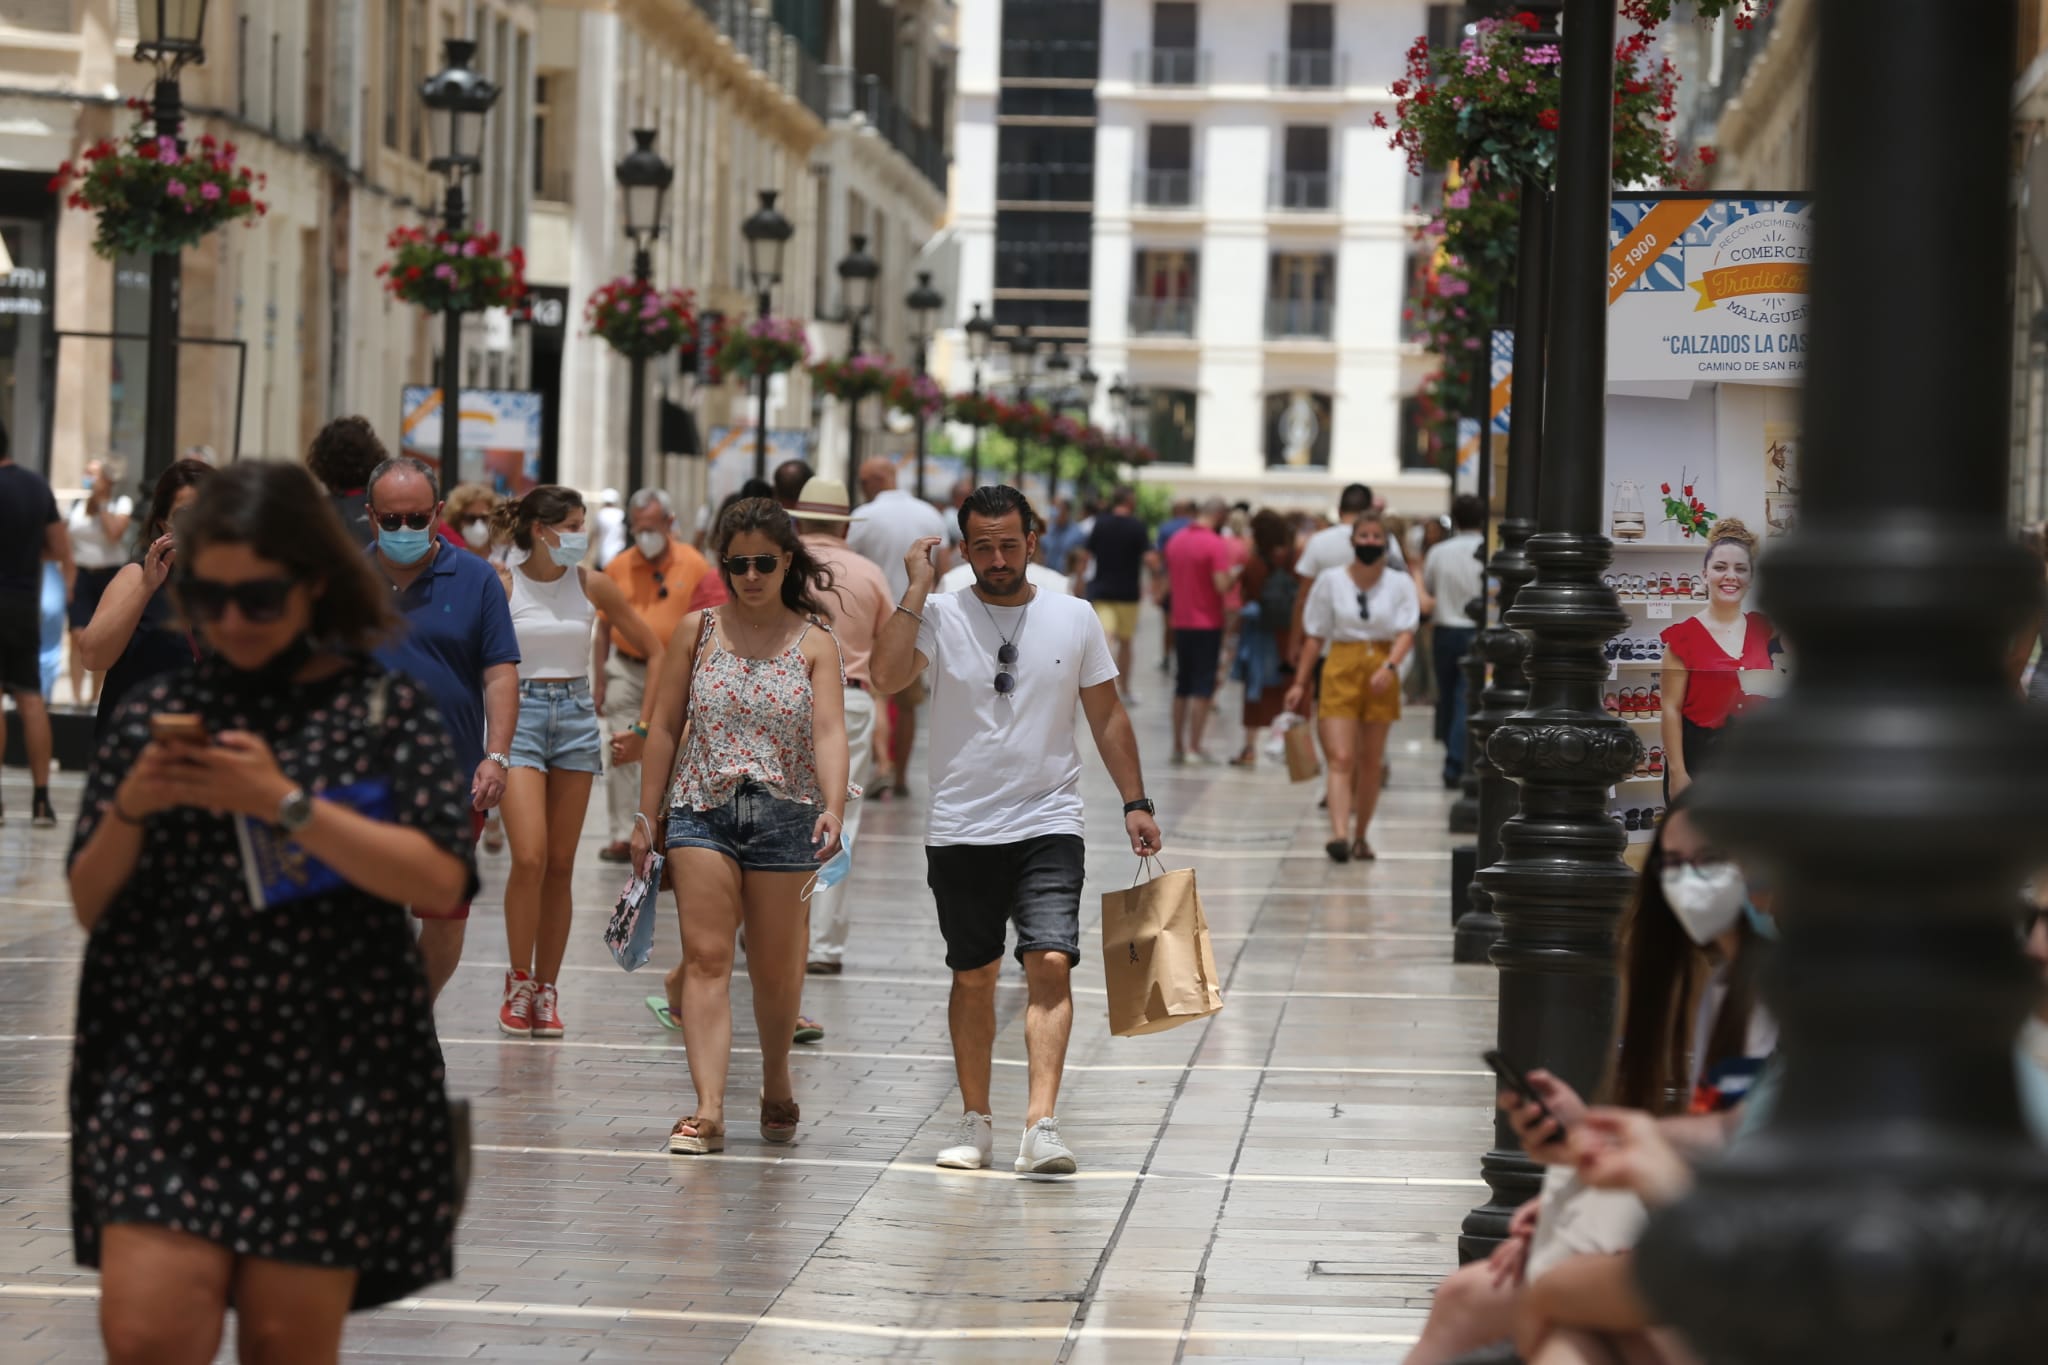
[(1193, 559)]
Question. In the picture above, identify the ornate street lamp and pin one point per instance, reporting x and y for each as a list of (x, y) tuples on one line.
[(980, 332), (1023, 358), (858, 272), (924, 303), (643, 179), (767, 234), (170, 36), (458, 97)]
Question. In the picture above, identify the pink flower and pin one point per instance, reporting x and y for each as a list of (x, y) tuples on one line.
[(1460, 198), (209, 191), (167, 150), (473, 247), (445, 272), (176, 189)]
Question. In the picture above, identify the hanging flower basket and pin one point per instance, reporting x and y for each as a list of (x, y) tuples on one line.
[(852, 379), (636, 319), (151, 195), (759, 347), (453, 272), (1024, 422), (915, 395), (1650, 13), (975, 409)]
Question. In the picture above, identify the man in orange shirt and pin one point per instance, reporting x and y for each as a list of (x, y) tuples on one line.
[(659, 575), (859, 601)]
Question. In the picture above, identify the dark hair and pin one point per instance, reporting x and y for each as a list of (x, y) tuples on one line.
[(545, 504), (790, 478), (1662, 974), (996, 501), (275, 509), (344, 453), (182, 474), (807, 579), (754, 488), (1467, 512), (1271, 534), (1124, 494), (1355, 498)]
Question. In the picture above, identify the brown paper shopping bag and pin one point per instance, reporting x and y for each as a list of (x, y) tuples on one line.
[(1157, 961), (1302, 765)]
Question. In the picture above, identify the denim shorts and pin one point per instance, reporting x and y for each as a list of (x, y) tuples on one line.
[(757, 829), (980, 888), (557, 728)]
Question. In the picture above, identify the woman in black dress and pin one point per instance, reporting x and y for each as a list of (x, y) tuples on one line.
[(132, 636), (257, 1106)]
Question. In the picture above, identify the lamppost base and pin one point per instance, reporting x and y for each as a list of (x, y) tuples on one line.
[(1465, 814)]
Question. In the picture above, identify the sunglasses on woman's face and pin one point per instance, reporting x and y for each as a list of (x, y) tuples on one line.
[(1006, 682), (413, 521), (260, 600), (737, 565)]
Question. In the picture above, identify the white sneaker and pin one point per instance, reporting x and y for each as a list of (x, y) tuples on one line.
[(1042, 1153), (973, 1141)]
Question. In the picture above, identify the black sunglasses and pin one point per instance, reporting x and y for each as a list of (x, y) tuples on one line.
[(1006, 682), (661, 584), (415, 521), (260, 600), (763, 565), (1364, 607)]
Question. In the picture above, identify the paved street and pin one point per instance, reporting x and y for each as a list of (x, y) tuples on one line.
[(1282, 1182)]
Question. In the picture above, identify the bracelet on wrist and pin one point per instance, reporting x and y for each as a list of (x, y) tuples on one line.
[(911, 614), (639, 728)]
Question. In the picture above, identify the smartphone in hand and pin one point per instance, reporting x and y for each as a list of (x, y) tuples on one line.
[(1511, 1079), (178, 727)]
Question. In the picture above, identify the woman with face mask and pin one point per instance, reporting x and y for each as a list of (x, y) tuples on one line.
[(466, 519), (257, 1099), (1706, 657), (1368, 615), (556, 751)]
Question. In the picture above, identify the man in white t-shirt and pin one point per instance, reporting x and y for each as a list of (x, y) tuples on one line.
[(1004, 837), (884, 527)]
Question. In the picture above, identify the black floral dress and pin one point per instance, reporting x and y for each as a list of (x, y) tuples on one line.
[(269, 1079)]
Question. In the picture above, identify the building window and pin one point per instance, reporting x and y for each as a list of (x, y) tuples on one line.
[(1311, 62), (1300, 290), (415, 141), (1169, 175), (1304, 182), (1175, 56), (1045, 165), (1051, 40), (1038, 251), (394, 68), (1170, 425), (1412, 438), (1298, 430), (1163, 285)]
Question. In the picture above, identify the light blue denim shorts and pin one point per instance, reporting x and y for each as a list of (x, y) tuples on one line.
[(557, 728)]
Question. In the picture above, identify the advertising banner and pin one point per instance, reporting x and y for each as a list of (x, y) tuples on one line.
[(731, 454), (499, 435), (1707, 289), (1503, 377)]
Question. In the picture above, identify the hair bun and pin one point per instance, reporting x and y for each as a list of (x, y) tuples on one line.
[(1731, 528)]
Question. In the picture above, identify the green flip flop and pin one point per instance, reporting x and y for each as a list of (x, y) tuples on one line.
[(659, 1004)]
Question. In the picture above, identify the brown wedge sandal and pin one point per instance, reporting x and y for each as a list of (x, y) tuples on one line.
[(704, 1137), (778, 1120), (1361, 851)]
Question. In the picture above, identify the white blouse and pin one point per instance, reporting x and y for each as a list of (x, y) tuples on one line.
[(1333, 612)]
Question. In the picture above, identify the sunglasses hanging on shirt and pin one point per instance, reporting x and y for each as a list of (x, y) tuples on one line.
[(1365, 606), (1006, 655)]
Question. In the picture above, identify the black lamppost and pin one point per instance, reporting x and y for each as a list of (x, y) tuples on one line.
[(767, 233), (1891, 1208), (644, 177), (1023, 356), (858, 272), (170, 34), (1056, 366), (1089, 383), (980, 332), (459, 98), (924, 303), (1560, 884)]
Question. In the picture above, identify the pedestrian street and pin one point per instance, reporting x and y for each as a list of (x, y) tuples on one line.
[(1283, 1181)]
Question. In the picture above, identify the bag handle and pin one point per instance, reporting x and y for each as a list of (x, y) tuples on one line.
[(1143, 860)]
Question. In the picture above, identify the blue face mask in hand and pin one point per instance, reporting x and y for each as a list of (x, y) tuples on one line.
[(405, 545), (570, 549), (832, 873)]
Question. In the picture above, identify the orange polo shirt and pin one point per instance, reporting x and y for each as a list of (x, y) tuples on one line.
[(643, 581)]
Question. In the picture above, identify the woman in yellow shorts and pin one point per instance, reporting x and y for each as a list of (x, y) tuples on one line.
[(1368, 616)]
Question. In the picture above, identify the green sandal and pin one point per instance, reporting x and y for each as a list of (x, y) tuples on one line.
[(659, 1004), (809, 1030)]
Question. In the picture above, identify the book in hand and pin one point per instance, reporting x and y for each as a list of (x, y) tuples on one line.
[(278, 871)]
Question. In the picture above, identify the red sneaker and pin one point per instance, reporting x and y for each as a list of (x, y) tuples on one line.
[(515, 1015), (547, 1020)]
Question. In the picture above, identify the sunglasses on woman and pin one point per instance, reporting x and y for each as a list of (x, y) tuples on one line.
[(260, 600), (737, 565), (412, 521)]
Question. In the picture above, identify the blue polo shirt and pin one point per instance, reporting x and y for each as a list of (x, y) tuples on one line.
[(457, 624)]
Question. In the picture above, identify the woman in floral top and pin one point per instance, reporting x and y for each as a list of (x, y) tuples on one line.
[(757, 804)]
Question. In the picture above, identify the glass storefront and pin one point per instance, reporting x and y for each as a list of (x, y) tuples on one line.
[(25, 305)]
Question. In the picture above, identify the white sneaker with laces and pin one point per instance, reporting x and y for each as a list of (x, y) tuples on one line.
[(1042, 1153), (973, 1141)]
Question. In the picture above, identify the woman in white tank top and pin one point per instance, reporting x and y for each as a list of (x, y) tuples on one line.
[(555, 749)]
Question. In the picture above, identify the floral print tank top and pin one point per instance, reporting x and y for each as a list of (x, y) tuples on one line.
[(749, 719)]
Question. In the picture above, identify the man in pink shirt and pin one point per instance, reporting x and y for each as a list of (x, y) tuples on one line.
[(1200, 570)]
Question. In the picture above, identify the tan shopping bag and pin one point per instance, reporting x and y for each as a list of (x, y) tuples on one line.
[(1302, 764), (1157, 962)]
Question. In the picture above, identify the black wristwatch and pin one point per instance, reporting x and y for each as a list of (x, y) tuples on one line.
[(1143, 803)]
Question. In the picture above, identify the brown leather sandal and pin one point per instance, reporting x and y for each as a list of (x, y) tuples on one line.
[(778, 1120), (1361, 851), (705, 1136)]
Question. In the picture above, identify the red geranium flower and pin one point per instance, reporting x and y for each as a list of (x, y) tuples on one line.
[(1548, 119)]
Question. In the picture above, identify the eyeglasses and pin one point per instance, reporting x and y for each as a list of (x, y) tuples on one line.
[(763, 565), (661, 585), (260, 600), (413, 521), (1006, 682), (1364, 607)]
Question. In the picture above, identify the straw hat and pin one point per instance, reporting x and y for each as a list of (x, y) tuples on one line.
[(823, 500)]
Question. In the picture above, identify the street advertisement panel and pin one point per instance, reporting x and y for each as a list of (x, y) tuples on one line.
[(499, 434), (730, 453), (1708, 289)]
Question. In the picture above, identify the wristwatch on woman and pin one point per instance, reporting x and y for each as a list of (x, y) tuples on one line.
[(502, 760), (295, 812)]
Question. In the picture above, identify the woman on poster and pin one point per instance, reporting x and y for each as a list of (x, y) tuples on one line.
[(1706, 658)]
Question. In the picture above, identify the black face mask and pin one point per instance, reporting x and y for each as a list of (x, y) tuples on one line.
[(1369, 554)]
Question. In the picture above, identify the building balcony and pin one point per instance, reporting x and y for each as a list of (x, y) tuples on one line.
[(1299, 320), (1163, 317), (1310, 69), (847, 93), (771, 50), (1304, 192), (1045, 184), (1164, 190), (1170, 66)]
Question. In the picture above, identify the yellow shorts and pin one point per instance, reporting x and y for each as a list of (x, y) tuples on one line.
[(1119, 619), (1347, 684)]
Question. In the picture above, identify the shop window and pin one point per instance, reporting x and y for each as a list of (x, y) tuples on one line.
[(1298, 429)]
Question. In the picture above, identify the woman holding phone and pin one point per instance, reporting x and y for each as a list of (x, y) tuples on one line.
[(133, 635), (258, 1116)]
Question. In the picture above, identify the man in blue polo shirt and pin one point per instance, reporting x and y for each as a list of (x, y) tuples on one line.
[(458, 644)]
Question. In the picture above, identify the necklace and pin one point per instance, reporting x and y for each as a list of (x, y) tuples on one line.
[(1006, 657)]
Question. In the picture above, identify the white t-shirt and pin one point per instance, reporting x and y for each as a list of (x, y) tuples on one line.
[(1006, 768), (91, 547), (1454, 577), (884, 528), (1037, 575), (1332, 612), (1330, 548)]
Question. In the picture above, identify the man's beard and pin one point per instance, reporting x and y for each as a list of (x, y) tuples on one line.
[(1015, 584)]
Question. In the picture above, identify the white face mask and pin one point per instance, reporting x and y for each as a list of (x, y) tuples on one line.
[(476, 533), (1706, 898), (653, 544)]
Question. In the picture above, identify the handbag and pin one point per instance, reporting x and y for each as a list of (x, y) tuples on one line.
[(1158, 963), (630, 932)]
